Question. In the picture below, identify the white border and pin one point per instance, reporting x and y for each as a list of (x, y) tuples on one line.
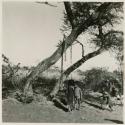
[(1, 58)]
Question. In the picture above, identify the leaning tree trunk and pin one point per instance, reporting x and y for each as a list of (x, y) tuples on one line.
[(45, 64), (74, 67), (76, 31)]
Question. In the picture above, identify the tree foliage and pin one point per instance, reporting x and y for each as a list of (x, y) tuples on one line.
[(110, 14), (81, 11), (97, 78), (98, 19)]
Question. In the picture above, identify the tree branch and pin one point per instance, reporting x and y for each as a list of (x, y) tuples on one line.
[(88, 56), (82, 60), (113, 31), (73, 67), (69, 13), (42, 66), (46, 63), (17, 68), (82, 47), (93, 19), (46, 3), (103, 7)]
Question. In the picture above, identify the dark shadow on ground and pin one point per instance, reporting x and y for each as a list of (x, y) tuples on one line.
[(60, 104), (115, 121), (91, 98), (94, 105)]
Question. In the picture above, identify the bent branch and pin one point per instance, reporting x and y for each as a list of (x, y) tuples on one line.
[(45, 64), (69, 13), (74, 67)]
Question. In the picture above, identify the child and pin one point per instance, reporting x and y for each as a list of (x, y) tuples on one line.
[(106, 99), (78, 96), (70, 97)]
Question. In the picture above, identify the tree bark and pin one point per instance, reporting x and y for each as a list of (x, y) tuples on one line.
[(46, 63), (69, 14), (74, 67)]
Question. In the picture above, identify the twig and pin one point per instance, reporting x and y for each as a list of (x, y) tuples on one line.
[(46, 3), (82, 47)]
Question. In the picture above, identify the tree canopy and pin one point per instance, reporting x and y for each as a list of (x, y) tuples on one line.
[(99, 19)]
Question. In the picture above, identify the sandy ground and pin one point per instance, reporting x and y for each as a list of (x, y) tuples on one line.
[(13, 111)]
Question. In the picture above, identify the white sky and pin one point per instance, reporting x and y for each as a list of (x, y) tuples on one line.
[(31, 32)]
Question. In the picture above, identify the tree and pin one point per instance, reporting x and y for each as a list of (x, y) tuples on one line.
[(9, 72), (120, 58), (96, 78), (106, 39), (78, 18)]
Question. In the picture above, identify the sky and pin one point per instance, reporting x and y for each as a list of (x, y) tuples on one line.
[(31, 32)]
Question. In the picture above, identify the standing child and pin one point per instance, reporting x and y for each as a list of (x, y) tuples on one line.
[(78, 96), (106, 99), (70, 96)]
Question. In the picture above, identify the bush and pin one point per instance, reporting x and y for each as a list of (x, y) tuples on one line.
[(97, 78)]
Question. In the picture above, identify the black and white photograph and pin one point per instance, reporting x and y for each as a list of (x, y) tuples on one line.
[(62, 61)]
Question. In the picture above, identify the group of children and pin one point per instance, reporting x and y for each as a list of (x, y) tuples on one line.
[(74, 96), (108, 95), (106, 99)]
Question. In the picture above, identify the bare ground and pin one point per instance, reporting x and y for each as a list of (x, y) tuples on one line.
[(14, 111)]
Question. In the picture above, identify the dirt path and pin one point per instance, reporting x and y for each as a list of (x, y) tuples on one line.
[(17, 112)]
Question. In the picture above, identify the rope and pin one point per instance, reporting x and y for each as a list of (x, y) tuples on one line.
[(65, 56), (71, 57), (61, 77)]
